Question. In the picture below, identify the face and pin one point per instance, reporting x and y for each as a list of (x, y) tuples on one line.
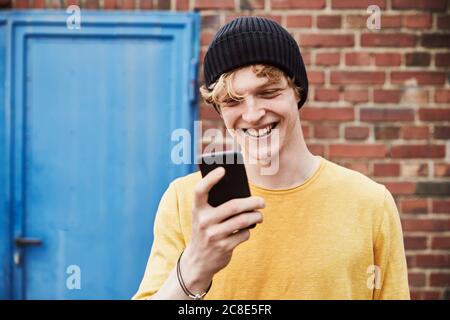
[(265, 120)]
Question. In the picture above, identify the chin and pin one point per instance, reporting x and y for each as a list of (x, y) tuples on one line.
[(262, 156)]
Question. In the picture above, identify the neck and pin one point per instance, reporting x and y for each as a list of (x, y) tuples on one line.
[(296, 165)]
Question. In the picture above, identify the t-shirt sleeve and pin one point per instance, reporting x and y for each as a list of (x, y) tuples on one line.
[(390, 259), (168, 242)]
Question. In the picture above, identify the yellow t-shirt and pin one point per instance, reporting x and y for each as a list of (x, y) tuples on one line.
[(335, 236)]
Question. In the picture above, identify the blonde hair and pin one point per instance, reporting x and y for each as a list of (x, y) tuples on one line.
[(222, 89)]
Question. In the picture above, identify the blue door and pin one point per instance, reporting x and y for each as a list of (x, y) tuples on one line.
[(86, 122)]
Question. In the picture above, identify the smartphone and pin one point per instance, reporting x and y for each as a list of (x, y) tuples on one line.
[(234, 184)]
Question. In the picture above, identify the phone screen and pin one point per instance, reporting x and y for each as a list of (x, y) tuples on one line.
[(234, 184)]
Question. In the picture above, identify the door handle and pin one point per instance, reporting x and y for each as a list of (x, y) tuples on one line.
[(21, 241)]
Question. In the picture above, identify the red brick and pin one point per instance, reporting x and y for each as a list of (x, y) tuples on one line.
[(357, 77), (210, 21), (442, 170), (387, 133), (316, 77), (355, 21), (360, 21), (306, 56), (206, 38), (391, 21), (401, 188), (320, 40), (441, 206), (125, 4), (431, 225), (442, 59), (435, 5), (442, 132), (20, 4), (232, 16), (93, 4), (443, 22), (435, 40), (357, 151), (356, 95), (434, 114), (416, 279), (111, 4), (357, 4), (300, 4), (442, 96), (386, 169), (422, 77), (388, 40), (414, 206), (440, 242), (357, 58), (252, 4), (163, 4), (326, 131), (387, 96), (327, 114), (299, 21), (388, 59), (213, 4), (433, 260), (385, 114), (357, 166), (414, 170), (418, 21), (418, 151), (441, 279), (306, 129), (60, 4), (415, 242), (413, 94), (420, 59), (356, 133), (327, 59), (316, 149), (326, 95), (209, 113), (425, 295), (38, 4), (415, 132), (182, 5), (328, 21)]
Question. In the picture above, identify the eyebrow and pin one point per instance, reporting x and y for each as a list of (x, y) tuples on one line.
[(266, 85)]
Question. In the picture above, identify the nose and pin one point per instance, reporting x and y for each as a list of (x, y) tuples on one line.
[(252, 113)]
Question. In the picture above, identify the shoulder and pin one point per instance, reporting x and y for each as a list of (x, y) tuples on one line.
[(187, 181), (354, 184), (184, 186)]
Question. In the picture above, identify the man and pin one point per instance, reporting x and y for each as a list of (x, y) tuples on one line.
[(328, 232)]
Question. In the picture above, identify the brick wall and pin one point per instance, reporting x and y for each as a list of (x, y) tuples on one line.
[(379, 101)]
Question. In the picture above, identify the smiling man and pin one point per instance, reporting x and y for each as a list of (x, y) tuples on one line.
[(328, 232)]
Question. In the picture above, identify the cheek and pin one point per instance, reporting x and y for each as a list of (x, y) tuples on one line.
[(229, 118)]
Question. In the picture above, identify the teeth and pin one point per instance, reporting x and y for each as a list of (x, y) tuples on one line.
[(258, 133)]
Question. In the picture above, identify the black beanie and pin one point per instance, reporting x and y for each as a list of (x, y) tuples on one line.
[(255, 40)]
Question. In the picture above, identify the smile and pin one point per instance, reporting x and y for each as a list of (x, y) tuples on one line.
[(258, 133)]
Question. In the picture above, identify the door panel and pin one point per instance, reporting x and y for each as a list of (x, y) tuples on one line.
[(92, 129)]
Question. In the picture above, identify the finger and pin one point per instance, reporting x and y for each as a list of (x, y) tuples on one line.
[(237, 238), (236, 206), (238, 222), (205, 184)]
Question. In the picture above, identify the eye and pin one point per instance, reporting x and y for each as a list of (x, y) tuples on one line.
[(270, 93), (230, 102)]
